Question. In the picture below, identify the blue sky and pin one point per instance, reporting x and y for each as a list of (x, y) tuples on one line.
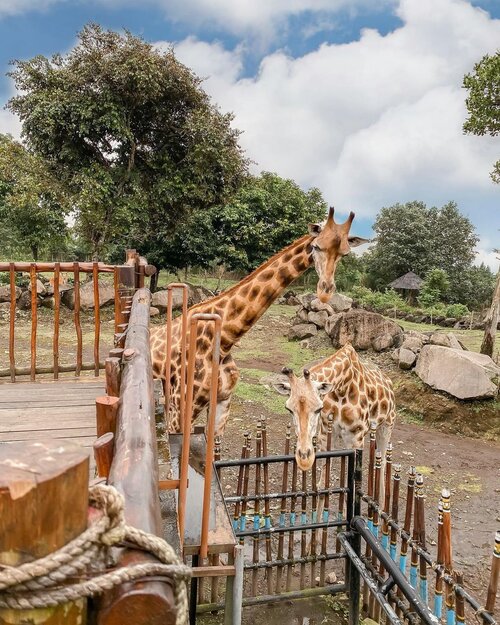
[(361, 98)]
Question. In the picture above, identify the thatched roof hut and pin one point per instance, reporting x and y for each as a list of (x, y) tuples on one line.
[(409, 282)]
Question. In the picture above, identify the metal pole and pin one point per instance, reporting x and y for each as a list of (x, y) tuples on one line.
[(354, 473), (238, 584), (193, 595)]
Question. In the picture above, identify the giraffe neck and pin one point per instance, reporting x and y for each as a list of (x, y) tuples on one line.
[(242, 305), (343, 364)]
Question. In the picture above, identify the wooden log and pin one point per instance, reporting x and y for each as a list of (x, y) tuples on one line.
[(12, 322), (78, 325), (97, 317), (494, 576), (106, 409), (57, 311), (103, 453), (134, 472), (113, 376), (44, 503), (34, 320)]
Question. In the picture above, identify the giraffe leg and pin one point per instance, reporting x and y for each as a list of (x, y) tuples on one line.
[(383, 436), (228, 377)]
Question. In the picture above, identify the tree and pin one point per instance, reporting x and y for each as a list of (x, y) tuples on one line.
[(434, 287), (483, 101), (412, 237), (267, 214), (129, 131), (32, 203)]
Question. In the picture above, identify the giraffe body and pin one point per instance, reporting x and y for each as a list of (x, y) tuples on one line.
[(240, 307), (353, 393)]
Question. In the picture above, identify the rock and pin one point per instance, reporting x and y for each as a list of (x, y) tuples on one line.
[(360, 328), (48, 302), (24, 302), (413, 343), (395, 355), (40, 287), (196, 294), (454, 342), (318, 306), (5, 293), (449, 322), (465, 375), (383, 342), (5, 308), (439, 338), (318, 318), (106, 295), (306, 300), (302, 315), (293, 301), (406, 358), (423, 336), (302, 331), (340, 303), (153, 312)]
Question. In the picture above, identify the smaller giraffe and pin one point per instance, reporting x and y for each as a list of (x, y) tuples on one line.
[(341, 386)]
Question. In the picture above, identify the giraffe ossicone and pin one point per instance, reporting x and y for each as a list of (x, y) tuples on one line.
[(241, 306)]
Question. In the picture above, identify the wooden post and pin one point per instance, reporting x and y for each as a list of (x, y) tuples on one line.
[(494, 576), (106, 409), (112, 370), (34, 320), (103, 453), (97, 316), (78, 325), (44, 503), (12, 322), (57, 311)]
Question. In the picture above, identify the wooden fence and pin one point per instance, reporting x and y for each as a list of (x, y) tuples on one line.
[(126, 277)]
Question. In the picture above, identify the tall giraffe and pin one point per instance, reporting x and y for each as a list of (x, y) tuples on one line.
[(241, 306), (341, 386)]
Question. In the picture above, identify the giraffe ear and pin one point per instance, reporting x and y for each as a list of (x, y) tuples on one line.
[(355, 241), (283, 388), (323, 387), (314, 229)]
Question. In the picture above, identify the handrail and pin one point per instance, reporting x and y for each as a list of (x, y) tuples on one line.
[(134, 472)]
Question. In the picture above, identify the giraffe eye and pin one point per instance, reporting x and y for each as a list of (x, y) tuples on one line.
[(318, 410), (316, 248)]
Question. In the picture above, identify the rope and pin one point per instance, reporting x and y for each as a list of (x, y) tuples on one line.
[(42, 583)]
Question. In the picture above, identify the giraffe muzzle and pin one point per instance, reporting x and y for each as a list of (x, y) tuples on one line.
[(325, 291), (305, 459)]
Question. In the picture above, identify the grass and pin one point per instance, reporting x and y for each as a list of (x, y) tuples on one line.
[(255, 392), (410, 416)]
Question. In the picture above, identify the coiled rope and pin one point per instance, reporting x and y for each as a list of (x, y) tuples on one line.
[(46, 582)]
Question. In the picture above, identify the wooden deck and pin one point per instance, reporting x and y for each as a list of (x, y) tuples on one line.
[(65, 409)]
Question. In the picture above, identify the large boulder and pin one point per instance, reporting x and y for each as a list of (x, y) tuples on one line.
[(106, 295), (382, 342), (40, 287), (302, 331), (318, 318), (412, 343), (196, 294), (318, 306), (340, 303), (5, 293), (360, 327), (465, 375)]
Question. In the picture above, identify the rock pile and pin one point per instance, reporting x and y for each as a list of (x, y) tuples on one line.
[(342, 323), (45, 295), (196, 294)]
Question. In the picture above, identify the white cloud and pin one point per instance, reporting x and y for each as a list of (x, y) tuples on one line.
[(17, 7), (373, 121), (486, 255), (9, 124)]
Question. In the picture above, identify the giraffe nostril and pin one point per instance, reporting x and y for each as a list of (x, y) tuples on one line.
[(309, 452)]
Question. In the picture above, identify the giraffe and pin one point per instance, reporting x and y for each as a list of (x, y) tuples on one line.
[(341, 386), (241, 306)]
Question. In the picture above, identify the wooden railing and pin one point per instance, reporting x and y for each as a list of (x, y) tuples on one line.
[(126, 278), (127, 455)]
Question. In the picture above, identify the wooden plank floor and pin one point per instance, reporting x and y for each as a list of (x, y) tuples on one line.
[(64, 410)]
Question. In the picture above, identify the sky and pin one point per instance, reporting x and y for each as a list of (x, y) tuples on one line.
[(360, 98)]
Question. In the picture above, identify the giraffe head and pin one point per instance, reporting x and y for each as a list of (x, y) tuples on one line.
[(331, 241), (305, 402)]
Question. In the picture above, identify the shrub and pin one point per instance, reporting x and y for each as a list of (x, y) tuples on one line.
[(457, 310)]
